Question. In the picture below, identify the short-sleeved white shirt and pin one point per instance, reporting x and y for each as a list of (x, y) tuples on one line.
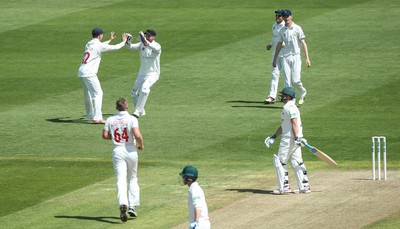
[(120, 126), (92, 56), (196, 199), (289, 112), (292, 37), (149, 57), (275, 33)]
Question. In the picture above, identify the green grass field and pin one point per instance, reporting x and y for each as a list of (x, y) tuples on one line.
[(205, 110)]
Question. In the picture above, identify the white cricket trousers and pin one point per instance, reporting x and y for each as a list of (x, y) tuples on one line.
[(275, 78), (288, 149), (93, 97), (141, 90), (291, 67), (125, 164)]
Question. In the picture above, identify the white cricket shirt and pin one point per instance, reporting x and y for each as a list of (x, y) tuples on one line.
[(196, 199), (120, 126), (275, 34), (289, 112), (291, 36), (92, 56), (149, 57)]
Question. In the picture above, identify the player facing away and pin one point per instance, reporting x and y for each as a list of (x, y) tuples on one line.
[(293, 37), (92, 92), (123, 130), (292, 140), (198, 210), (149, 71), (276, 27)]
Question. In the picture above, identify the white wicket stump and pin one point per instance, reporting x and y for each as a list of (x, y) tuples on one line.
[(378, 148)]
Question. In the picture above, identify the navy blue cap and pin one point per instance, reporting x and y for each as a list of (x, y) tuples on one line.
[(279, 12), (97, 32), (286, 13), (150, 32)]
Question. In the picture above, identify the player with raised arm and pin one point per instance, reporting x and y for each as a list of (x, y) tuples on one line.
[(92, 92)]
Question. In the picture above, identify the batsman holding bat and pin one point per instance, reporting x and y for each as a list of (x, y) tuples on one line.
[(290, 146)]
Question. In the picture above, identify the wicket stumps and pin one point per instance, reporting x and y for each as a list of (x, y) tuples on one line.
[(378, 148)]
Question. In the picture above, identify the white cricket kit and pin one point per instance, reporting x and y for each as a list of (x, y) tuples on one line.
[(289, 150), (92, 56), (196, 199), (125, 157), (291, 63), (92, 92), (149, 73), (276, 70)]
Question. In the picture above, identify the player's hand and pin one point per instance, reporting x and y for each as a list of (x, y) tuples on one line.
[(300, 142), (194, 225), (140, 147), (269, 141), (308, 62), (124, 37), (274, 63), (112, 36), (269, 47)]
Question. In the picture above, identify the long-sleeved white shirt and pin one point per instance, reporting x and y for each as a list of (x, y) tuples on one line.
[(92, 56), (149, 57)]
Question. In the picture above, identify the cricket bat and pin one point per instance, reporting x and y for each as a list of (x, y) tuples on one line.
[(321, 155)]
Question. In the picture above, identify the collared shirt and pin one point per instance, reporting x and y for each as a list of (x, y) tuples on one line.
[(149, 57), (196, 199), (292, 37), (120, 126), (275, 34), (289, 112), (92, 56)]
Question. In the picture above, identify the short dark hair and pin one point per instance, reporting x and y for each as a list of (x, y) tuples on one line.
[(97, 32)]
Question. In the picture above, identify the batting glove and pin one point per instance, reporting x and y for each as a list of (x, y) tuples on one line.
[(300, 142), (194, 225), (269, 140)]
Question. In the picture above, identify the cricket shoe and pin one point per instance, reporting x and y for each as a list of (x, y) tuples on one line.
[(101, 121), (123, 216), (307, 190), (282, 192), (132, 212), (269, 100), (301, 100)]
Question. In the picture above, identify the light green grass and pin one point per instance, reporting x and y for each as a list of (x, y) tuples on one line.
[(205, 110)]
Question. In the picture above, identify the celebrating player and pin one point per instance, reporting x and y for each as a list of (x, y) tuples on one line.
[(149, 71), (123, 130), (290, 146), (92, 92), (293, 36)]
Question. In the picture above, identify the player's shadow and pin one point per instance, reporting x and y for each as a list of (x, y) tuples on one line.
[(71, 120), (262, 104), (255, 191), (103, 219)]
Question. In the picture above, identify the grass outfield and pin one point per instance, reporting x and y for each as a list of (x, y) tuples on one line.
[(205, 110)]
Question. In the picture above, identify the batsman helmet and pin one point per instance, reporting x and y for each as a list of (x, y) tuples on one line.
[(189, 171), (289, 91)]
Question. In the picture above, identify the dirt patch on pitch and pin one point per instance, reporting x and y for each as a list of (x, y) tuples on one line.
[(340, 199)]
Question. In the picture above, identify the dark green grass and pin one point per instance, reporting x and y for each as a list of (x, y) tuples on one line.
[(206, 109)]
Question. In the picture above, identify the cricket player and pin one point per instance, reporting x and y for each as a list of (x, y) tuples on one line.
[(198, 210), (292, 140), (276, 27), (92, 92), (293, 37), (149, 71), (123, 130)]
